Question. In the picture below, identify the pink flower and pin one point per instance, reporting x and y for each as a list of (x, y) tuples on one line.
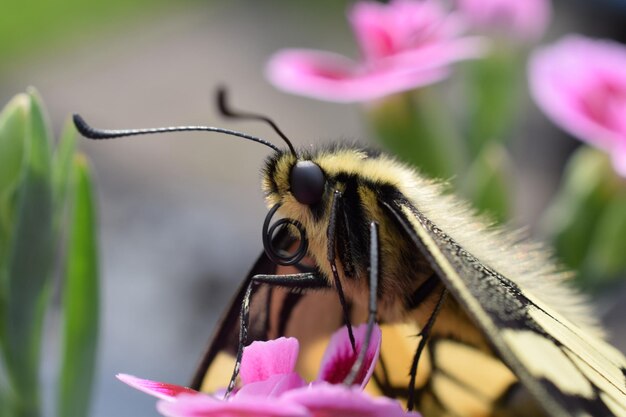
[(272, 388), (525, 19), (404, 44), (580, 84)]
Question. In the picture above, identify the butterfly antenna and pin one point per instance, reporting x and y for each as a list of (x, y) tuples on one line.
[(227, 111), (92, 133)]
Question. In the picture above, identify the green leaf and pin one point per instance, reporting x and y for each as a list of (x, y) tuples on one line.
[(605, 260), (29, 265), (488, 180), (62, 166), (418, 130), (570, 221), (13, 149), (13, 121), (80, 301)]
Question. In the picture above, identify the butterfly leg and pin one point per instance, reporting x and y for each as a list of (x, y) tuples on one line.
[(331, 234), (373, 305), (424, 334), (302, 281)]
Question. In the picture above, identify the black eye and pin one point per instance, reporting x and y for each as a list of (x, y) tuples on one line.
[(307, 182)]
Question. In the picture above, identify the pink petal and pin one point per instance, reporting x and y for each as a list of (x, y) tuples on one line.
[(339, 356), (373, 27), (526, 20), (273, 386), (383, 30), (160, 390), (204, 406), (323, 400), (440, 55), (263, 359), (579, 83), (386, 30), (331, 77), (405, 44)]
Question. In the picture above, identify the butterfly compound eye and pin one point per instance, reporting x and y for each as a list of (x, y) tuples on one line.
[(307, 182)]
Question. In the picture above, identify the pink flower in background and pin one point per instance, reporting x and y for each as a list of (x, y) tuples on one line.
[(272, 388), (580, 83), (404, 44), (523, 19)]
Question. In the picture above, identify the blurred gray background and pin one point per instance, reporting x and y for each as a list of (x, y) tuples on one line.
[(181, 215)]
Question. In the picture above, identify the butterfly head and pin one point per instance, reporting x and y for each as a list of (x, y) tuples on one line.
[(307, 182)]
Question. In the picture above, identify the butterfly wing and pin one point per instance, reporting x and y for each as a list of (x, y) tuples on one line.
[(311, 317), (567, 371), (217, 363)]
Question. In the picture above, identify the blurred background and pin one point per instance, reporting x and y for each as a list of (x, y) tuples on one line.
[(181, 215)]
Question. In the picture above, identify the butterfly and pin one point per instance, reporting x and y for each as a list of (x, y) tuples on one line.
[(476, 320)]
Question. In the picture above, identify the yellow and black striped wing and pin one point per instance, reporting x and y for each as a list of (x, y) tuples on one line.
[(311, 317), (568, 372), (216, 365)]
